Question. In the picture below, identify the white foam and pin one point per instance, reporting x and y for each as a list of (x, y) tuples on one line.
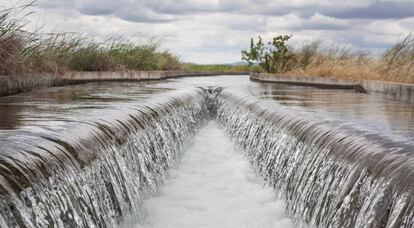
[(214, 186)]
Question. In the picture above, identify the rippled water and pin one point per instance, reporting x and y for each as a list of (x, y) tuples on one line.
[(90, 154), (376, 112), (53, 107)]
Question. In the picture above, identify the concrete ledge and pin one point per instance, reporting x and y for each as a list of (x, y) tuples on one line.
[(399, 91), (18, 84), (138, 75), (10, 85)]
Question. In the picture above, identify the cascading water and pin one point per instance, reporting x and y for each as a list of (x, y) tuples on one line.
[(330, 176), (214, 187), (98, 171)]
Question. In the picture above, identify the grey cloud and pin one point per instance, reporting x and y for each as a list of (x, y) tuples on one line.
[(157, 10), (358, 40), (375, 10), (135, 11), (131, 14), (309, 25), (94, 8), (174, 7), (179, 7)]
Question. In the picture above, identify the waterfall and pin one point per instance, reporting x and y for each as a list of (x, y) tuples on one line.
[(97, 172), (330, 176)]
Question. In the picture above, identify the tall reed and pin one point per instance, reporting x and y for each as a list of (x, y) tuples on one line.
[(395, 64), (23, 52)]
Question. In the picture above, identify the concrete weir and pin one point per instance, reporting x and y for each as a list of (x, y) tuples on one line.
[(10, 85), (100, 171), (399, 91), (331, 176)]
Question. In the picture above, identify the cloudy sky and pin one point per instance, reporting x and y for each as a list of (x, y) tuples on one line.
[(214, 31)]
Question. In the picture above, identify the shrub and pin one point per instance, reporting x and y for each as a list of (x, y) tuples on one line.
[(275, 57)]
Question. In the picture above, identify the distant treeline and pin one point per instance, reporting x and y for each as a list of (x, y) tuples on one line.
[(223, 68)]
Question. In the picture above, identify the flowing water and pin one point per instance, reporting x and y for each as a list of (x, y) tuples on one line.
[(214, 186), (131, 154), (332, 175)]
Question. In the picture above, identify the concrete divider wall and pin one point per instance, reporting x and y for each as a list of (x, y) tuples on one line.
[(399, 91), (12, 85), (138, 75), (17, 84)]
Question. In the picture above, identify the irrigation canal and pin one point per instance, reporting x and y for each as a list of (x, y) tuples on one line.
[(216, 151)]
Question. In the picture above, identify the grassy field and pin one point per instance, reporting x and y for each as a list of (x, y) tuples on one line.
[(395, 64)]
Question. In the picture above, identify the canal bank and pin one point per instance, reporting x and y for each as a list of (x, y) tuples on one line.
[(398, 91), (10, 85)]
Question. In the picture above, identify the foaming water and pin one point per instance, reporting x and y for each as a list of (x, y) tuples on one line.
[(96, 173), (331, 176), (89, 155), (214, 186)]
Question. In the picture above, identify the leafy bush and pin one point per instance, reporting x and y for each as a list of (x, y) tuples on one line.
[(275, 57)]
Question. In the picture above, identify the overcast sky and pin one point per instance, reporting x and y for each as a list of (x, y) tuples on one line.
[(214, 31)]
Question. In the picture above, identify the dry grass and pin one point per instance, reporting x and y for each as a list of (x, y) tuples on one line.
[(395, 64), (23, 52)]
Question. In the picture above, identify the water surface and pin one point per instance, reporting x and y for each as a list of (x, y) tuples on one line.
[(214, 183), (48, 108)]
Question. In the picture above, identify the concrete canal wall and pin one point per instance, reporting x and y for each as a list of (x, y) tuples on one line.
[(399, 91), (12, 85), (75, 77)]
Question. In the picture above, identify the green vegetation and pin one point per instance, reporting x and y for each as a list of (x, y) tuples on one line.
[(317, 59), (23, 52), (274, 57)]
